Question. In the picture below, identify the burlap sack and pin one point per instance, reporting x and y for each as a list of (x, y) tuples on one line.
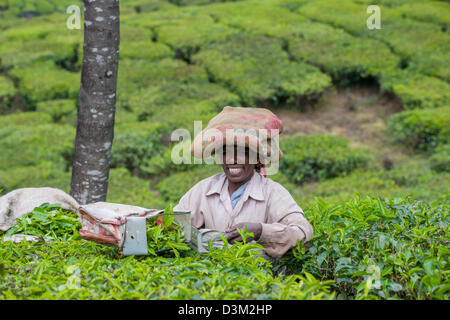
[(21, 201), (256, 128)]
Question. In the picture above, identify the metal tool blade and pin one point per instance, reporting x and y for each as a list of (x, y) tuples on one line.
[(135, 237)]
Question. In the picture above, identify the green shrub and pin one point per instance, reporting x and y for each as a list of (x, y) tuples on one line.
[(346, 58), (7, 93), (413, 178), (43, 174), (319, 157), (162, 163), (186, 36), (134, 145), (136, 43), (27, 8), (378, 249), (435, 63), (440, 160), (408, 37), (415, 90), (41, 40), (178, 103), (198, 2), (61, 111), (258, 17), (134, 8), (125, 188), (28, 144), (259, 71), (78, 269), (428, 11), (344, 14), (176, 185), (44, 81), (421, 129), (414, 41), (335, 51), (15, 120), (138, 74)]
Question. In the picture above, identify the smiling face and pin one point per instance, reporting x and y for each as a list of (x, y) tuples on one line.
[(236, 166)]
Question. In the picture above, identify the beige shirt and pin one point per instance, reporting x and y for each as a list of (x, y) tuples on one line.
[(264, 201)]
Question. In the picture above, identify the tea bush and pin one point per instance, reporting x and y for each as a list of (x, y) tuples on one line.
[(137, 74), (28, 144), (346, 58), (421, 129), (428, 11), (318, 157), (41, 39), (198, 2), (133, 146), (7, 93), (139, 192), (61, 270), (136, 43), (257, 18), (416, 91), (440, 160), (176, 185), (359, 250), (42, 174), (186, 36), (259, 71), (179, 104), (414, 41), (24, 8), (44, 81), (414, 178), (374, 248), (61, 111)]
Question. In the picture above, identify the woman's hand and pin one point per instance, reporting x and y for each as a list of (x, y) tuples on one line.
[(254, 227)]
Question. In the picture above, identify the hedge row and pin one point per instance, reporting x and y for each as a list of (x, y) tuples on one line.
[(27, 139), (7, 93), (176, 185), (29, 9), (421, 129), (45, 81), (440, 160), (378, 249), (415, 178), (422, 44), (416, 91), (359, 250), (260, 72), (319, 157), (346, 58)]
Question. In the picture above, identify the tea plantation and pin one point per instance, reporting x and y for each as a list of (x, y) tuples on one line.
[(371, 173)]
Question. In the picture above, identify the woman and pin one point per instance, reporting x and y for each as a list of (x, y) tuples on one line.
[(241, 196)]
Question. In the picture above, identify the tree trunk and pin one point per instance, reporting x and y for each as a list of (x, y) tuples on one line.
[(96, 101)]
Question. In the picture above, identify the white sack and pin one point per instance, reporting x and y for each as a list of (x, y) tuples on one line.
[(21, 201)]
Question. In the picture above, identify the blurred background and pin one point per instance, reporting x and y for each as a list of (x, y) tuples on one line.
[(364, 111)]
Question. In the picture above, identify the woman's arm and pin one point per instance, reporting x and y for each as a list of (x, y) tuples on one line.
[(285, 223)]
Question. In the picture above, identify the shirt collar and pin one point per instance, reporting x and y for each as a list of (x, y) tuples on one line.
[(254, 187)]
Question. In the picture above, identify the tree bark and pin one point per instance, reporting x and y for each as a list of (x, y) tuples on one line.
[(96, 101)]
